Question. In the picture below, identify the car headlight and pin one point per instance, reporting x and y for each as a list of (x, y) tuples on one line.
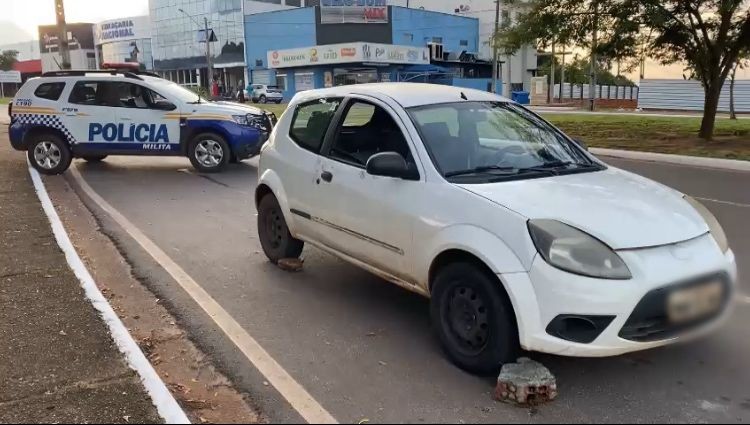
[(251, 120), (574, 251), (713, 224)]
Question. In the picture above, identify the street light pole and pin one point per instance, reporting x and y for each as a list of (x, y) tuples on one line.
[(494, 47), (594, 42), (62, 36), (207, 35)]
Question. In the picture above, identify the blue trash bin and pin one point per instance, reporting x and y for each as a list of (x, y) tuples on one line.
[(521, 97)]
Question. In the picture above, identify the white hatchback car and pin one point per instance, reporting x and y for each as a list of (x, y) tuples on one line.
[(519, 236)]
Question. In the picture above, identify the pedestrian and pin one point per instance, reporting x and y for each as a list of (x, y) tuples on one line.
[(241, 94)]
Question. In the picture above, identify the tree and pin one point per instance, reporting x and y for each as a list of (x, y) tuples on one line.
[(707, 35), (577, 72), (8, 58)]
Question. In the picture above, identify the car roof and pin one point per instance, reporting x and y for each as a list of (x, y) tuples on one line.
[(407, 94)]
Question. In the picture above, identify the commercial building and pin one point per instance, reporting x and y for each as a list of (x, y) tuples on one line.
[(80, 44), (178, 40), (125, 40), (333, 44)]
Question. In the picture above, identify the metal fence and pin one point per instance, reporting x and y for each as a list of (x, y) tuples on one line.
[(581, 91), (688, 95)]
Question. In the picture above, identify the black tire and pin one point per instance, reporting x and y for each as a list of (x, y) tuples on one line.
[(474, 319), (273, 232), (279, 102), (94, 158), (49, 154), (202, 147), (262, 99)]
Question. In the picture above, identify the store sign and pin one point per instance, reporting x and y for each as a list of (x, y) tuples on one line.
[(10, 77), (122, 30), (348, 53), (353, 12)]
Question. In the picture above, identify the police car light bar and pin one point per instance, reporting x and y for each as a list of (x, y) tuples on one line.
[(82, 73)]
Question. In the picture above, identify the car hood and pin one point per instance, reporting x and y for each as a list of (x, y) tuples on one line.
[(228, 108), (619, 208)]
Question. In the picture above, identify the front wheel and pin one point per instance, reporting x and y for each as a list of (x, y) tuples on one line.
[(209, 153), (49, 154), (474, 319), (273, 231), (263, 99)]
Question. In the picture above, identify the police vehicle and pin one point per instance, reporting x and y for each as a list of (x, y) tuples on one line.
[(93, 114)]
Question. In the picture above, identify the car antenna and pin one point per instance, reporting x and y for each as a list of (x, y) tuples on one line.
[(463, 96)]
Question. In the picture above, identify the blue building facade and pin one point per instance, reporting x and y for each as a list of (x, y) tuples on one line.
[(292, 49)]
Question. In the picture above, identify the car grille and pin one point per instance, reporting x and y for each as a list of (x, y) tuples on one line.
[(649, 321)]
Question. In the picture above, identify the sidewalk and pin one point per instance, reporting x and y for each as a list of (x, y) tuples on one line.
[(58, 363)]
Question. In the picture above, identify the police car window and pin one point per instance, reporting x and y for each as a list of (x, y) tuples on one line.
[(368, 129), (95, 93), (49, 91), (138, 97), (310, 122)]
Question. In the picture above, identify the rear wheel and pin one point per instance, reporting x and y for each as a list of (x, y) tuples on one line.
[(263, 99), (273, 231), (49, 154), (474, 319), (209, 153)]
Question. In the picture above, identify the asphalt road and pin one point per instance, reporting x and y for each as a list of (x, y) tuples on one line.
[(364, 350)]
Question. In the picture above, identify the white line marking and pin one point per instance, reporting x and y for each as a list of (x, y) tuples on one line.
[(290, 389), (734, 204), (165, 403)]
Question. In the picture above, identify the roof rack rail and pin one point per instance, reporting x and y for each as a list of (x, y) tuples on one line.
[(128, 73)]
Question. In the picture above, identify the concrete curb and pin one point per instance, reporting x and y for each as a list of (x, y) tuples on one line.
[(162, 398), (693, 161)]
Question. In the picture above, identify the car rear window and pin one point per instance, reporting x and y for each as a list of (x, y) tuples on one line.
[(310, 122), (50, 91)]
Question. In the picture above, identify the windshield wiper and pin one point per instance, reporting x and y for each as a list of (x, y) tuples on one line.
[(488, 169)]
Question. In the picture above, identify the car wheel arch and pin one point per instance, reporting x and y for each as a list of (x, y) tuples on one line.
[(270, 183), (41, 130), (194, 132)]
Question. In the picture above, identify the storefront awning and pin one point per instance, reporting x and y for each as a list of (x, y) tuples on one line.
[(357, 52)]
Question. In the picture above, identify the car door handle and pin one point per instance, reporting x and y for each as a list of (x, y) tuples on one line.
[(326, 176)]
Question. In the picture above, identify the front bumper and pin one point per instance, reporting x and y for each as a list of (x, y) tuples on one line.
[(545, 294)]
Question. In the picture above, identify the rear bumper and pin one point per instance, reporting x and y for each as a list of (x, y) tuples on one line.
[(16, 135)]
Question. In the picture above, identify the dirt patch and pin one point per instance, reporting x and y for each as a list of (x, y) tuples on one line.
[(205, 394)]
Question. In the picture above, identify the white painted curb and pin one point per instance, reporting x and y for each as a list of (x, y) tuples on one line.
[(694, 161), (165, 403)]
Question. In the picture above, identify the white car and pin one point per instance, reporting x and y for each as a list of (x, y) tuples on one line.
[(518, 235), (262, 93), (92, 114)]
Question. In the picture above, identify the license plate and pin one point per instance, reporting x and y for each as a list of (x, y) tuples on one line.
[(694, 303)]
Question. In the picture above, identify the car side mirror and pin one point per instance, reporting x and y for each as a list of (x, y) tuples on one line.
[(391, 164), (165, 106), (582, 144)]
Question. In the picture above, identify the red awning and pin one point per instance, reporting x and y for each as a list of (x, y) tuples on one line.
[(28, 67)]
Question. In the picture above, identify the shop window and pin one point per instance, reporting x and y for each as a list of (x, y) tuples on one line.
[(281, 81), (464, 43), (311, 121), (296, 3)]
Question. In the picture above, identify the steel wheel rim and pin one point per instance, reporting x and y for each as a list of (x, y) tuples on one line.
[(209, 153), (47, 155), (466, 319), (274, 224)]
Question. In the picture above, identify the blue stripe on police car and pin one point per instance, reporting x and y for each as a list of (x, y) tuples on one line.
[(142, 133)]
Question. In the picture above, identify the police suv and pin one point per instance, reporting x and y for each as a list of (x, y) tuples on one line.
[(93, 114)]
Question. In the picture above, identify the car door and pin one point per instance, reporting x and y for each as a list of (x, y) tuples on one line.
[(145, 122), (87, 115), (298, 160), (363, 216)]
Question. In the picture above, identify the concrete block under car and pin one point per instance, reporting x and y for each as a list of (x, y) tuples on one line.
[(525, 383)]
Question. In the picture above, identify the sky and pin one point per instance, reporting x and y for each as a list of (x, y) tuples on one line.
[(28, 14)]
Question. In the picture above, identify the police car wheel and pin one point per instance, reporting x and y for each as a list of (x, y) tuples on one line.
[(275, 239), (94, 158), (49, 154), (209, 153)]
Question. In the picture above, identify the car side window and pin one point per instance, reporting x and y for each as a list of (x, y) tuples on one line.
[(138, 97), (366, 130), (49, 91), (310, 122), (96, 93)]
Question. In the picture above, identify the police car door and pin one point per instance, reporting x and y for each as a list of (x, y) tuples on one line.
[(86, 115), (147, 122)]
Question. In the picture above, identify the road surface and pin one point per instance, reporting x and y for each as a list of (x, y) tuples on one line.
[(363, 349)]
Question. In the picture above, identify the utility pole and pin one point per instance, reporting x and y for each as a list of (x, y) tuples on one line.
[(495, 46), (551, 91), (209, 61), (594, 42), (62, 34)]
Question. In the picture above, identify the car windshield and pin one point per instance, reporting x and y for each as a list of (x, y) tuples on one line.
[(491, 141), (175, 91)]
